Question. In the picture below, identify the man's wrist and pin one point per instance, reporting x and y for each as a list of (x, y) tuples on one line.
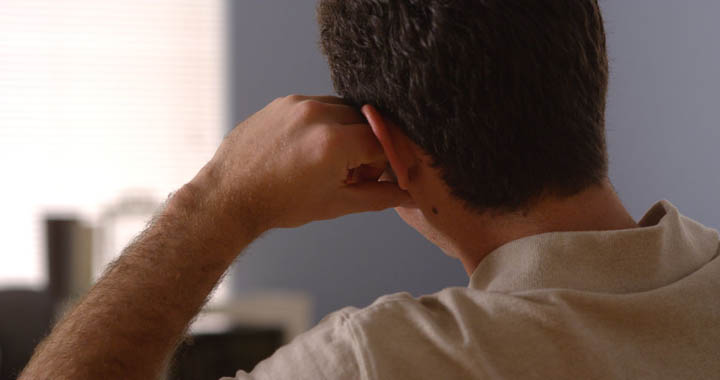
[(217, 215)]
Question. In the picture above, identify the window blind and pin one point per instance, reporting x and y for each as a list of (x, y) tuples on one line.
[(98, 99)]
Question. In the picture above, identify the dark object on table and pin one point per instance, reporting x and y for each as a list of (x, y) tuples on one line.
[(212, 356), (25, 317), (60, 243)]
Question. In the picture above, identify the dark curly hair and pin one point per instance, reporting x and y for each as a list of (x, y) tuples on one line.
[(506, 96)]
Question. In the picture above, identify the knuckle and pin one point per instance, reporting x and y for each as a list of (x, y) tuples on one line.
[(307, 110), (294, 98)]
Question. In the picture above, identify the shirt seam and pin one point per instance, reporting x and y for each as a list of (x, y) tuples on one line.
[(363, 360)]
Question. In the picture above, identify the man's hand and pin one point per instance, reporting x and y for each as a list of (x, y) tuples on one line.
[(299, 159)]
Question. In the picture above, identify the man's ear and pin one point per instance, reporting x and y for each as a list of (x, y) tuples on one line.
[(394, 144)]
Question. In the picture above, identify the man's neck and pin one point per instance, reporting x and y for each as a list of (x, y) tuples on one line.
[(595, 209)]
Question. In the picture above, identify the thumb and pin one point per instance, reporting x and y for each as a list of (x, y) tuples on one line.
[(375, 196)]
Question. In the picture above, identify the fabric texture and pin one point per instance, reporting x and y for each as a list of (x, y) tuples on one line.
[(640, 303)]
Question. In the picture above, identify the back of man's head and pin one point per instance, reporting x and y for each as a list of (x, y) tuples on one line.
[(506, 96)]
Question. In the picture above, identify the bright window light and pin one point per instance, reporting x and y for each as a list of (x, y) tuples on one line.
[(99, 99)]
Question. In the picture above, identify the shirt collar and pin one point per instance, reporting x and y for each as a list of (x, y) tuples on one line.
[(666, 247)]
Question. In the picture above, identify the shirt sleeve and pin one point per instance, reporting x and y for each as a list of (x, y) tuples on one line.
[(327, 351)]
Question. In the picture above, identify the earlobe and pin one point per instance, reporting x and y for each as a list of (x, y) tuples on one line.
[(393, 149)]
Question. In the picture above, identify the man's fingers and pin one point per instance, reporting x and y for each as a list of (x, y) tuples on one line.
[(320, 98), (329, 108), (365, 173), (341, 114), (328, 99), (374, 196), (361, 146)]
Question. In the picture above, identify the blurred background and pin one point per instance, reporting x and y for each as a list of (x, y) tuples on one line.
[(107, 107)]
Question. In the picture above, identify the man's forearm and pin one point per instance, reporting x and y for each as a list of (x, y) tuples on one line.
[(289, 164), (134, 317)]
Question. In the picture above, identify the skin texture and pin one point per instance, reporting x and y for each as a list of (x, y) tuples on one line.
[(297, 160)]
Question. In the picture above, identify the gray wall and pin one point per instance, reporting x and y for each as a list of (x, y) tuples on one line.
[(662, 117), (661, 126)]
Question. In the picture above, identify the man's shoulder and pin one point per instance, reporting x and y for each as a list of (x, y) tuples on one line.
[(402, 335), (405, 314)]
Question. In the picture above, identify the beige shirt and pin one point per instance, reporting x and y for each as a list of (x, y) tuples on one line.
[(641, 303)]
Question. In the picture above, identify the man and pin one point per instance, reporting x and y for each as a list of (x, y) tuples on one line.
[(491, 116)]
